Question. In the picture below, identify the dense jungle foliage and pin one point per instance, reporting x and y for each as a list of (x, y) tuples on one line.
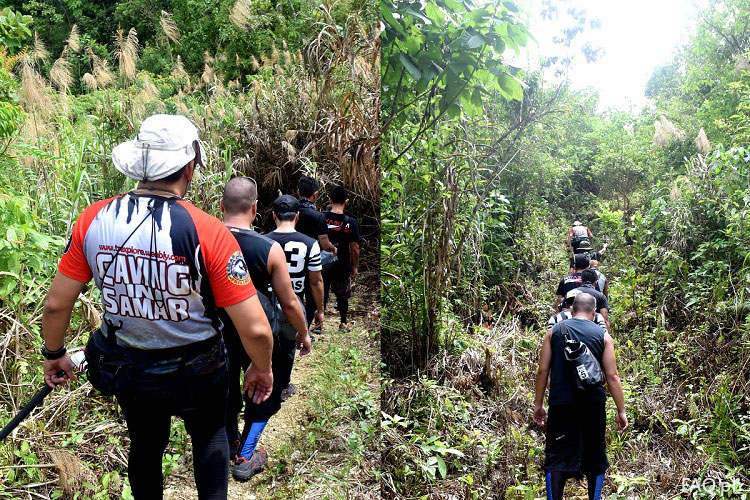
[(485, 168), (277, 89)]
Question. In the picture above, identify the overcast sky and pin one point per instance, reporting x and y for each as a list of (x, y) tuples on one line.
[(636, 35)]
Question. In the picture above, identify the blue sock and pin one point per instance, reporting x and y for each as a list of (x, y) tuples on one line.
[(252, 439), (598, 485)]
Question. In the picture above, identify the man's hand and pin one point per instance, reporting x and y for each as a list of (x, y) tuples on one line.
[(621, 422), (304, 343), (355, 271), (318, 318), (54, 366), (257, 384), (540, 415)]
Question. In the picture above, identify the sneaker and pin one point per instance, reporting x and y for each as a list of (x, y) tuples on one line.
[(234, 449), (336, 305), (244, 469), (317, 330), (288, 391), (343, 327)]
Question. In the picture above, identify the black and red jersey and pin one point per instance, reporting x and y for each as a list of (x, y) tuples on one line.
[(342, 230), (164, 267)]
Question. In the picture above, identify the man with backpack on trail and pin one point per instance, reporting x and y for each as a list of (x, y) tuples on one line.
[(164, 269), (576, 421), (579, 238), (602, 284), (598, 256), (566, 312), (571, 281), (267, 266), (343, 231)]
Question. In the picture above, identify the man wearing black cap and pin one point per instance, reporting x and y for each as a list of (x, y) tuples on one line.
[(164, 269)]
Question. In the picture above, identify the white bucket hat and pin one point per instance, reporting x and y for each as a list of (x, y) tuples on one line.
[(163, 145)]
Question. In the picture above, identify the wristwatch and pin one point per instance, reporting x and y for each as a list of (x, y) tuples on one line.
[(51, 355)]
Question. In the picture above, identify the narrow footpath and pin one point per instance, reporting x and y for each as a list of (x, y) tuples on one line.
[(322, 444)]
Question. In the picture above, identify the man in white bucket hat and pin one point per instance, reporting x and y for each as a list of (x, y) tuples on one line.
[(164, 268)]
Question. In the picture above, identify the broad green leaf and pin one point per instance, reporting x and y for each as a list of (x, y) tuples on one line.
[(410, 66), (441, 467)]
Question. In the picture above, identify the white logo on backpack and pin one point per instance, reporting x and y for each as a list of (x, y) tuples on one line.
[(582, 373)]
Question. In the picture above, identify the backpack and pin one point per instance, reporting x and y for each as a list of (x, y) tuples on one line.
[(580, 238), (271, 307), (286, 330), (583, 367)]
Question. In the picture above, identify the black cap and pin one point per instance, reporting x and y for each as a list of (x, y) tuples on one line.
[(285, 204)]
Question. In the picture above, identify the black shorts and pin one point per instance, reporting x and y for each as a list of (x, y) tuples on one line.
[(575, 438)]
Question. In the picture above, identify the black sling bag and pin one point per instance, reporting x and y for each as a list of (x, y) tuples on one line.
[(581, 363)]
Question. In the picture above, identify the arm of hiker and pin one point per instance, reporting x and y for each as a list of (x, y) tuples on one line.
[(316, 284), (325, 243), (354, 252), (558, 302), (609, 365), (540, 415), (605, 314), (55, 321), (257, 339)]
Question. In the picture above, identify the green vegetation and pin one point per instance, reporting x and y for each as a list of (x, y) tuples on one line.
[(476, 206), (276, 91)]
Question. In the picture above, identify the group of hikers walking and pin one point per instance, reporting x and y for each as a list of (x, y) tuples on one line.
[(577, 358), (191, 302)]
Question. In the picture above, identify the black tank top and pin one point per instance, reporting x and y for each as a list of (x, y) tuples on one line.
[(255, 248), (562, 388)]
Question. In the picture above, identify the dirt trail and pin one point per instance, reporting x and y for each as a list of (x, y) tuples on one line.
[(180, 484)]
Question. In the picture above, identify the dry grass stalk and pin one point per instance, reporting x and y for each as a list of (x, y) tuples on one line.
[(207, 58), (104, 77), (126, 52), (39, 50), (149, 89), (90, 81), (179, 69), (34, 90), (73, 472), (74, 39), (702, 143), (287, 59), (221, 57), (241, 14), (169, 27), (254, 63), (60, 74), (665, 132), (208, 74), (274, 54)]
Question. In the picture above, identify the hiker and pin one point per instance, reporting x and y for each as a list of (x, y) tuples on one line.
[(343, 231), (576, 424), (312, 223), (579, 238), (588, 285), (571, 281), (164, 269), (267, 266), (601, 281), (566, 312), (598, 256)]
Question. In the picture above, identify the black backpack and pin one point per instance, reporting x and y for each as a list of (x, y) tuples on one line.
[(583, 367)]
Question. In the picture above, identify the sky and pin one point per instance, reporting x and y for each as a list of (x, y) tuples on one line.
[(637, 36)]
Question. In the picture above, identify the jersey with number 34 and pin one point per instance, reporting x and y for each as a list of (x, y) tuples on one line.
[(302, 255)]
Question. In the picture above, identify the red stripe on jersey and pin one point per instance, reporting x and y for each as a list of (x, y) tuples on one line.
[(220, 251), (73, 263)]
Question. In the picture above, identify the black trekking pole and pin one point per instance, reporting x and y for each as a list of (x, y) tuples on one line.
[(79, 363)]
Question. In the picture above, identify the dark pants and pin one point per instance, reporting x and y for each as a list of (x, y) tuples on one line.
[(193, 387), (341, 284), (282, 363)]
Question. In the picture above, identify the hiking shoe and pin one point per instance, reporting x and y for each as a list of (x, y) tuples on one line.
[(336, 305), (234, 449), (317, 330), (343, 327), (288, 391), (244, 469)]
